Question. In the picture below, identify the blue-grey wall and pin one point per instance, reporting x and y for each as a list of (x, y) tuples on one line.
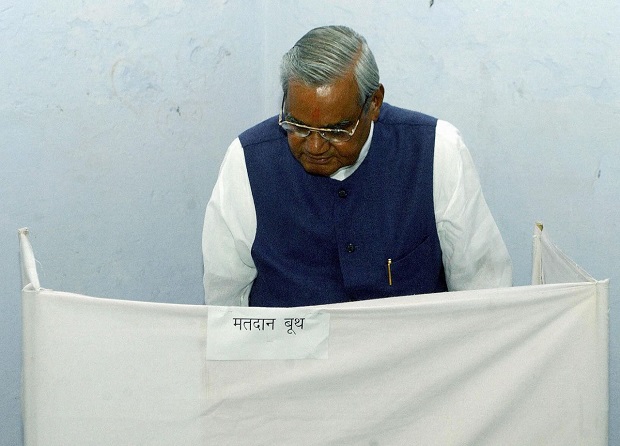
[(115, 116)]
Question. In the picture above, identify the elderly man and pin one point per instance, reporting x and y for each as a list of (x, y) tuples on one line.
[(344, 197)]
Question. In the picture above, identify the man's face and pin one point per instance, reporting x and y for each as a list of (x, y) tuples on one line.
[(334, 106)]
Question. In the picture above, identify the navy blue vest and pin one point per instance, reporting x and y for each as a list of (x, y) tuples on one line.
[(320, 240)]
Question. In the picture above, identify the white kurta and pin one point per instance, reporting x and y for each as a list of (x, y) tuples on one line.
[(474, 254)]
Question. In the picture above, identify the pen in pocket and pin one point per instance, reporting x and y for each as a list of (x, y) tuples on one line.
[(389, 271)]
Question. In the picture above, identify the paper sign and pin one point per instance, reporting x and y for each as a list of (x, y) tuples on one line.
[(257, 333)]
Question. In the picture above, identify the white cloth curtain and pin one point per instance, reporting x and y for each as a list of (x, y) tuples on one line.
[(513, 366)]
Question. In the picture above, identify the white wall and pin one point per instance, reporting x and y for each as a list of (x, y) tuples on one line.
[(114, 117), (114, 120)]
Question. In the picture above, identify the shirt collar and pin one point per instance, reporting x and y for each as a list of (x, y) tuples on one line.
[(346, 171)]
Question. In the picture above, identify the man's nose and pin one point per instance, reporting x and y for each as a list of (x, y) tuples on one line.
[(316, 144)]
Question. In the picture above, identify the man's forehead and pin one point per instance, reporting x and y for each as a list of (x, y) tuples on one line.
[(324, 105), (346, 83), (324, 90)]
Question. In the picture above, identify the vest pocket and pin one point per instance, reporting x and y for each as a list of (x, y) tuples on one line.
[(417, 272)]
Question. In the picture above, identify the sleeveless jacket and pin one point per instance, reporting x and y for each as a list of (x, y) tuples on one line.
[(320, 240)]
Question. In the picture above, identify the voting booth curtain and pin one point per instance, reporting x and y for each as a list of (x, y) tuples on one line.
[(514, 366)]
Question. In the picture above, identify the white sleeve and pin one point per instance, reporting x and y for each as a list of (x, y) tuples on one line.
[(474, 253), (228, 234)]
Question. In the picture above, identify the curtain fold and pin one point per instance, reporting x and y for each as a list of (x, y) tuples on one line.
[(512, 366)]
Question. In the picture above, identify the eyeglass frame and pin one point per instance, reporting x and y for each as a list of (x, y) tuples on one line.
[(320, 130)]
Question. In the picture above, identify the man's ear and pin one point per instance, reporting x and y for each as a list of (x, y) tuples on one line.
[(376, 102)]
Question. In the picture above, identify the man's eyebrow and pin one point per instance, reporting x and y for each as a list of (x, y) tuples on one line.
[(339, 125)]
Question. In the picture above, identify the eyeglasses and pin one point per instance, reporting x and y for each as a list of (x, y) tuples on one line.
[(331, 135)]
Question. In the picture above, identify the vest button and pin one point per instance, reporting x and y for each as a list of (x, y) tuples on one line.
[(342, 193), (350, 247)]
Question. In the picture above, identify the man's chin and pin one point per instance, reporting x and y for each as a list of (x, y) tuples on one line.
[(320, 169)]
